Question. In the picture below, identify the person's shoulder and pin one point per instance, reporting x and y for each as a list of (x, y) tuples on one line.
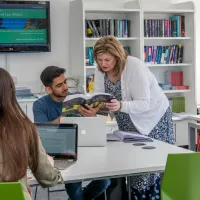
[(134, 60), (134, 64), (42, 100)]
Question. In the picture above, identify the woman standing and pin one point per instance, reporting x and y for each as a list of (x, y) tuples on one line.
[(140, 104)]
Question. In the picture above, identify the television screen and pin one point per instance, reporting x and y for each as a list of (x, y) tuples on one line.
[(25, 26)]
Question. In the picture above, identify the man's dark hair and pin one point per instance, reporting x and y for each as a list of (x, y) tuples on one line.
[(49, 73)]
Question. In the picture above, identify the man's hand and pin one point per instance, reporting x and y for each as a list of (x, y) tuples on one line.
[(89, 112)]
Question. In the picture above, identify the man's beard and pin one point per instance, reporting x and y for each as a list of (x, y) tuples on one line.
[(59, 96)]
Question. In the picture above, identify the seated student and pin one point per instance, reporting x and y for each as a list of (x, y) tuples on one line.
[(21, 147), (49, 109)]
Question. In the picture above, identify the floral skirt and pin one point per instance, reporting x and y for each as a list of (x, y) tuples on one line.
[(148, 186)]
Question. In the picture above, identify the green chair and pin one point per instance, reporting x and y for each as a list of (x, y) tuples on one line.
[(181, 179), (11, 191)]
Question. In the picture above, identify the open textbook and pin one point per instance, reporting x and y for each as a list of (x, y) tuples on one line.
[(72, 103), (128, 137)]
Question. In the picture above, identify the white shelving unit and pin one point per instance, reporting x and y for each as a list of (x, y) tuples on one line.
[(164, 10), (167, 65), (175, 91), (136, 11), (79, 11)]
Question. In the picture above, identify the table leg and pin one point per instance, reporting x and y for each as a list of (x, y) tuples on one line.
[(129, 187), (192, 138)]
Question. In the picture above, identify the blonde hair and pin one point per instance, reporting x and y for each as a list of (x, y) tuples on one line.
[(109, 44)]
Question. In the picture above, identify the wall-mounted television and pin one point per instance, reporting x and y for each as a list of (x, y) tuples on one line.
[(25, 26)]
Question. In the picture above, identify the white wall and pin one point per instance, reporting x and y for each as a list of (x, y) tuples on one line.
[(27, 67)]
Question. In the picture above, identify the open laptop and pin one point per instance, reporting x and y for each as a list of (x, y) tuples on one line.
[(60, 142), (91, 130)]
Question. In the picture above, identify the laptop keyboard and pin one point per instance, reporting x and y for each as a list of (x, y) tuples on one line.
[(63, 164)]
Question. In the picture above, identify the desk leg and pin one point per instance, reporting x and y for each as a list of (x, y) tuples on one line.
[(192, 138), (161, 177), (129, 187)]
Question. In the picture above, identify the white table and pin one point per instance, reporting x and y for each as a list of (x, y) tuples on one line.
[(118, 159)]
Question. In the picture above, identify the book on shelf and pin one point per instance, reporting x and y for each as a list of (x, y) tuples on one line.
[(102, 27), (163, 54), (72, 103), (166, 86), (90, 83), (181, 87), (177, 104), (173, 81), (90, 61), (89, 56), (126, 137), (172, 27), (174, 78)]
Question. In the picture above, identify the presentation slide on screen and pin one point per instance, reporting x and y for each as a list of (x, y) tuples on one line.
[(23, 26)]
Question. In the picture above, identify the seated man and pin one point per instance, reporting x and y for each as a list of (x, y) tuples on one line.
[(49, 109)]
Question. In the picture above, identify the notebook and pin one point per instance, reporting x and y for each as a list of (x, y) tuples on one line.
[(128, 137)]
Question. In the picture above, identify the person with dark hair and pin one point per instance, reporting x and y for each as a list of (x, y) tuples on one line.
[(20, 144), (49, 109)]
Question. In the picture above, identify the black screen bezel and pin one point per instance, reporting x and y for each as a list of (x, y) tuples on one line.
[(62, 156)]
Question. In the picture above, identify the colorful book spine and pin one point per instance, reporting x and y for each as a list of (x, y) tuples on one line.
[(164, 54), (172, 27)]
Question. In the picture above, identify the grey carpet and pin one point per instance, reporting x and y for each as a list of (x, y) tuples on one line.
[(42, 193)]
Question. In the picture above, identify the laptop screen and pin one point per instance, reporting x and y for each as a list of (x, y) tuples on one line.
[(60, 140)]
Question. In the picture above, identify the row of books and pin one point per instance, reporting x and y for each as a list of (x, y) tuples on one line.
[(163, 54), (172, 27), (89, 55), (177, 104), (173, 81), (102, 27), (165, 86)]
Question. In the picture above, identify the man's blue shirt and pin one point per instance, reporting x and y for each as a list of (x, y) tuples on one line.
[(45, 109)]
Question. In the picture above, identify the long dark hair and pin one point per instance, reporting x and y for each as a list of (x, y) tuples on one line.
[(18, 135)]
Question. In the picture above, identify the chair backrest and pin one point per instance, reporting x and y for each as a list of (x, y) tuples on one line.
[(11, 191), (181, 179)]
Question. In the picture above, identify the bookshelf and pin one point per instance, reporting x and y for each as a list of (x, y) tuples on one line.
[(164, 11), (137, 12), (79, 11)]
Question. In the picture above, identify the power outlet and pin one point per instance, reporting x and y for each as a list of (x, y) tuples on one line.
[(15, 79)]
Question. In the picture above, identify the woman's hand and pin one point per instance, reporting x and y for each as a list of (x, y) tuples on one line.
[(89, 112), (114, 105), (29, 190)]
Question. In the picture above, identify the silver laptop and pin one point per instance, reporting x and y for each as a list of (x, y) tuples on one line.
[(60, 142), (91, 130)]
